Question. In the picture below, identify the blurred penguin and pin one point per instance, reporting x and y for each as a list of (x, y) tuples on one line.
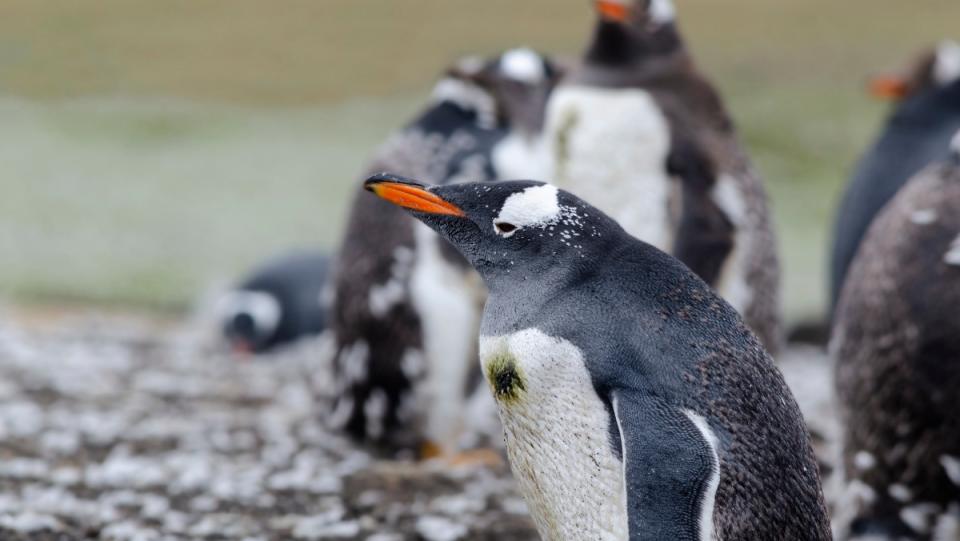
[(636, 130), (917, 133), (896, 341), (277, 304), (406, 305)]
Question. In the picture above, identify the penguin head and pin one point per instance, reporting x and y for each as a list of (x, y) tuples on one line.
[(932, 70), (249, 319), (508, 230), (632, 30), (509, 90)]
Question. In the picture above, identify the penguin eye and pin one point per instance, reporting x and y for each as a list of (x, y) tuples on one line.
[(504, 228)]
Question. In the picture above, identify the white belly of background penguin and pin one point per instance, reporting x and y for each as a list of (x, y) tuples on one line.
[(610, 147)]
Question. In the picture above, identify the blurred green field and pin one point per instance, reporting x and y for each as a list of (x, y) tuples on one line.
[(148, 149)]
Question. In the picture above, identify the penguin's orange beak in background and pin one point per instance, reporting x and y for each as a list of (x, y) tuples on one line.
[(617, 11), (409, 195), (242, 347), (889, 87)]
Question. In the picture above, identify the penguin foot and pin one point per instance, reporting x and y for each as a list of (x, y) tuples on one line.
[(485, 457)]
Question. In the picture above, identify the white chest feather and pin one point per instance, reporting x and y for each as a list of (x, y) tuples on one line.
[(610, 147), (732, 283), (448, 301), (557, 436)]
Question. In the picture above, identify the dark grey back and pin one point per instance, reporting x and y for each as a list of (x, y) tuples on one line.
[(917, 134)]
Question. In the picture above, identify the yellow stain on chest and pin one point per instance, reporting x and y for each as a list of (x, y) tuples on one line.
[(505, 377)]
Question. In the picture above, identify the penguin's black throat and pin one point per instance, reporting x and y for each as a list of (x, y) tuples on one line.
[(617, 44)]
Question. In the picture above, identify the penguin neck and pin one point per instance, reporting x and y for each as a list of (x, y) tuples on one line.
[(617, 45), (518, 296)]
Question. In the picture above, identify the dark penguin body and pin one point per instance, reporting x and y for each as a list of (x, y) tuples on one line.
[(407, 307), (644, 136), (279, 303), (636, 403), (917, 134), (896, 340)]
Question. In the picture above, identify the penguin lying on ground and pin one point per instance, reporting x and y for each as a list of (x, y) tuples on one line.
[(636, 404), (279, 303), (896, 340), (917, 134), (407, 306), (639, 132)]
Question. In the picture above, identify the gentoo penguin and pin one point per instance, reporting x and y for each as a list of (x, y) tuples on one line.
[(916, 134), (639, 132), (896, 341), (636, 404), (406, 306), (278, 303)]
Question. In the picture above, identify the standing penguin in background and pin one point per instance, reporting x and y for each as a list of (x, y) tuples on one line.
[(639, 132), (896, 341), (278, 304), (636, 404), (917, 134), (406, 306)]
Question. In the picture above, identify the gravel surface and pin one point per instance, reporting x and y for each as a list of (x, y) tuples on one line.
[(112, 429)]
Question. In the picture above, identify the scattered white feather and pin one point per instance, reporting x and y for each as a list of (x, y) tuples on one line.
[(919, 517), (29, 522), (321, 527), (436, 528), (952, 257), (383, 297), (923, 216), (951, 465), (948, 525), (900, 492), (375, 411), (861, 492), (864, 461)]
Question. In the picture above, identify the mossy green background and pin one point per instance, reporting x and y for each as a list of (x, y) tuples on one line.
[(150, 149)]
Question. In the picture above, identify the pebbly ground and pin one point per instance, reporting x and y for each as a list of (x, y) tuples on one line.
[(116, 429)]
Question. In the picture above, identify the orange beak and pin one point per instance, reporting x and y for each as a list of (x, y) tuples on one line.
[(889, 87), (242, 347), (613, 10), (409, 195)]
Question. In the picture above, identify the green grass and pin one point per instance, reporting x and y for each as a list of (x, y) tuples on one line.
[(149, 149), (145, 203)]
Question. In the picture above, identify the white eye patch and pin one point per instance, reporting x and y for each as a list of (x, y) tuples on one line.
[(523, 65), (537, 206), (662, 11), (263, 308), (947, 67)]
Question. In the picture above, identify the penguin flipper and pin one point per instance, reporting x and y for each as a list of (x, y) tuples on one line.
[(705, 234), (670, 470)]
